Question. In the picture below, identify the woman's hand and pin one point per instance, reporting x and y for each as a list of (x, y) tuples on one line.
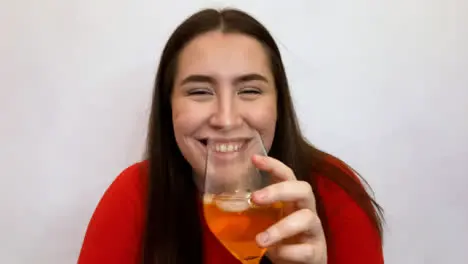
[(299, 236)]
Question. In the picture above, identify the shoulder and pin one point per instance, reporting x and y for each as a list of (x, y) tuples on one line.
[(341, 188), (124, 198), (352, 233), (334, 174), (115, 229), (132, 178), (128, 189)]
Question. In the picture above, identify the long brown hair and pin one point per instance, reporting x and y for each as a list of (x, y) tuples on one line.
[(173, 227)]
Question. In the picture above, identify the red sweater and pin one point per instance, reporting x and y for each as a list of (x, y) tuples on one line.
[(115, 230)]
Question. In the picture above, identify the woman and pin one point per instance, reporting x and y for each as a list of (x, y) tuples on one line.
[(221, 74)]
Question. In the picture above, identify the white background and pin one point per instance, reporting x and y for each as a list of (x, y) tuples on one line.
[(381, 84)]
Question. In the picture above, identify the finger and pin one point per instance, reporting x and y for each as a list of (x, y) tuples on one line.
[(274, 167), (299, 192), (296, 253), (303, 222)]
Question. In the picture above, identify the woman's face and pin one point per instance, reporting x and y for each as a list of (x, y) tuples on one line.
[(223, 89)]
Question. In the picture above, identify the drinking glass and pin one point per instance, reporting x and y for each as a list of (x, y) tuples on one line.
[(230, 179)]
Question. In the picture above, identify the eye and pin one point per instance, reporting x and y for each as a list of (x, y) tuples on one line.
[(199, 92), (249, 92)]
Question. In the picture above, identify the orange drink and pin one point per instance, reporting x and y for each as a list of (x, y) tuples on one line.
[(235, 221)]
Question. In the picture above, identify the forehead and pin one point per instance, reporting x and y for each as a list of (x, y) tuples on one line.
[(223, 55)]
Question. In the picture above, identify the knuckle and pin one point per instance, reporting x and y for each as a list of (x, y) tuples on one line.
[(275, 233), (309, 216), (303, 219), (309, 188), (271, 189), (274, 170), (312, 220), (306, 186), (289, 171), (288, 226), (309, 252), (279, 189)]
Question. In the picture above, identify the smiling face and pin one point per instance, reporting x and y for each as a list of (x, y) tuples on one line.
[(223, 89)]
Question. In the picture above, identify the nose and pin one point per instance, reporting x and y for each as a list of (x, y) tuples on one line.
[(225, 113)]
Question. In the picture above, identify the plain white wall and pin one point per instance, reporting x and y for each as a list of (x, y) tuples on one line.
[(381, 84)]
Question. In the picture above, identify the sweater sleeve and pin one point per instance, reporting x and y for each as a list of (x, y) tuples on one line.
[(353, 238), (114, 232)]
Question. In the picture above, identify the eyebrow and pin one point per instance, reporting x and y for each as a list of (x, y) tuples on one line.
[(209, 79)]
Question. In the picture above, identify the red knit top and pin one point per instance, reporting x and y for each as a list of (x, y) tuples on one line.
[(115, 230)]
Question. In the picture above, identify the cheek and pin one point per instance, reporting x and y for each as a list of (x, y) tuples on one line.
[(184, 123), (185, 118), (264, 120)]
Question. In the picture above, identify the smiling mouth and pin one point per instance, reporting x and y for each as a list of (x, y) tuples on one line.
[(225, 146)]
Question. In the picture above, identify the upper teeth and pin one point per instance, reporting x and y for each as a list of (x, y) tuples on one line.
[(227, 147)]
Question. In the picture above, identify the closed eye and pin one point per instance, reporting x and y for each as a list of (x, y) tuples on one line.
[(199, 92), (250, 91)]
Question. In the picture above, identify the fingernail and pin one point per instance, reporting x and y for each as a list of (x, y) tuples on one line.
[(262, 238), (260, 195), (259, 158)]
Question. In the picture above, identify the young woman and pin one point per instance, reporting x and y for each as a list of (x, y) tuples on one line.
[(221, 75)]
